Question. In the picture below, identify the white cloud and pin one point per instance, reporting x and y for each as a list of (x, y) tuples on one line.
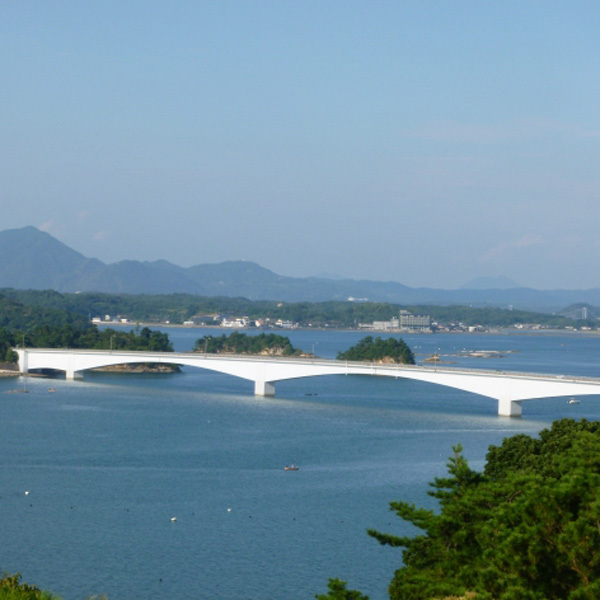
[(100, 236), (528, 240), (47, 226)]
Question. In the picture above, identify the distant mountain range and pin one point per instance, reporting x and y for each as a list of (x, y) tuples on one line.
[(34, 259), (490, 283)]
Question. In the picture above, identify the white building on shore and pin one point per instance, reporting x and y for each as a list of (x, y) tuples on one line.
[(405, 321), (235, 322)]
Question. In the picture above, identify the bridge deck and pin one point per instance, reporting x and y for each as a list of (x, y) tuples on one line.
[(180, 357)]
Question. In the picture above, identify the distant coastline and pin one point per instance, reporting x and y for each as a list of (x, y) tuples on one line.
[(495, 331)]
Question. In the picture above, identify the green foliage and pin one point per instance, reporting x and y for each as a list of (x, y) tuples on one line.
[(337, 591), (17, 319), (10, 356), (378, 349), (7, 341), (241, 343), (17, 315), (492, 316), (527, 528), (11, 588), (90, 336)]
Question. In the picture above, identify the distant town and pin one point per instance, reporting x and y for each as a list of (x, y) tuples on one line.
[(405, 322)]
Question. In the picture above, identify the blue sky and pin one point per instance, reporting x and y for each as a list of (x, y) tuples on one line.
[(423, 142)]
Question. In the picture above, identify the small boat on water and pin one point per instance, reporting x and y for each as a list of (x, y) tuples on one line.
[(572, 401), (290, 468)]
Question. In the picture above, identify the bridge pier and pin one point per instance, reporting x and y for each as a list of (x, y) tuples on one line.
[(509, 408), (72, 375), (23, 361), (264, 388)]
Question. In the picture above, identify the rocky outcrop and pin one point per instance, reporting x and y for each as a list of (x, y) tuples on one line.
[(140, 368)]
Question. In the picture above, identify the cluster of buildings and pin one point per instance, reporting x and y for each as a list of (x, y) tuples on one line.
[(110, 319), (458, 327), (405, 321), (241, 322)]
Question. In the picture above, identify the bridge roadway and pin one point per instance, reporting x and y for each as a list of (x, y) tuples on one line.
[(508, 388)]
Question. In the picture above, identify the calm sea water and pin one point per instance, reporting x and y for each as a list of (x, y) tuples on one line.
[(109, 461)]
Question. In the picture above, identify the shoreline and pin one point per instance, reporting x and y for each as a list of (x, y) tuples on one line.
[(499, 331), (10, 373)]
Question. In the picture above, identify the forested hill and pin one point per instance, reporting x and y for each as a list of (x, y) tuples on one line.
[(54, 327), (22, 314), (40, 261), (177, 308)]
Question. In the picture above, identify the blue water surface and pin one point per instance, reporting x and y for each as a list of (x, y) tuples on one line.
[(109, 462)]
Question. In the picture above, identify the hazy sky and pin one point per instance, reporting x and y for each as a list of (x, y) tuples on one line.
[(415, 141)]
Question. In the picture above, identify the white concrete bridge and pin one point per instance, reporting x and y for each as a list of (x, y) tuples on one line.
[(508, 388)]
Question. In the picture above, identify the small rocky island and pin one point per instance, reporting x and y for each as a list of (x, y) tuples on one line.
[(263, 344), (389, 351), (139, 368)]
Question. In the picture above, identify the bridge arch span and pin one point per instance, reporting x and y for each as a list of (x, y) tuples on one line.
[(509, 389)]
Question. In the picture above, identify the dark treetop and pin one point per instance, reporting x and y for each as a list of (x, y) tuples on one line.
[(240, 343), (526, 528), (379, 350)]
